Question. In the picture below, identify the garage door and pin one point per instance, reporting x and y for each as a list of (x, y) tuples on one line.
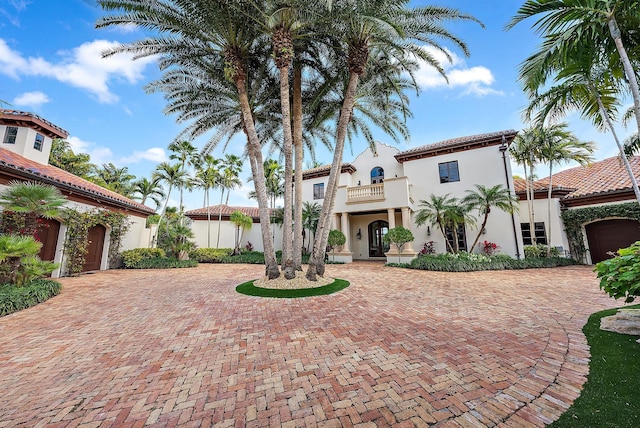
[(47, 233), (611, 235), (96, 243)]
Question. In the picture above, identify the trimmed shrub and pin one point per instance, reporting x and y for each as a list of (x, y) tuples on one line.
[(465, 262), (131, 258), (620, 276), (539, 250), (210, 255), (164, 263), (14, 299)]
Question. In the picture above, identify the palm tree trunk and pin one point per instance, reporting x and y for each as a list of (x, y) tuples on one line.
[(447, 244), (484, 223), (287, 238), (257, 169), (316, 261), (626, 63), (220, 217), (154, 242), (299, 159), (530, 200), (208, 219), (549, 209)]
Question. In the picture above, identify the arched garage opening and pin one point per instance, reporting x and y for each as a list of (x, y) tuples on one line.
[(609, 236)]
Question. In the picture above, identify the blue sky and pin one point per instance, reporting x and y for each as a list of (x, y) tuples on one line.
[(50, 64)]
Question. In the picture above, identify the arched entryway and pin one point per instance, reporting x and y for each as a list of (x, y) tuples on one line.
[(609, 236), (377, 230), (48, 232), (96, 245)]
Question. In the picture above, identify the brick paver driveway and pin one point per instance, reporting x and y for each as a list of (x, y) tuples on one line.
[(398, 347)]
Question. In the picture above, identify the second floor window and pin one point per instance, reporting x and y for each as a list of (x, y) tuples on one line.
[(449, 172), (10, 135), (39, 142), (377, 175), (318, 191)]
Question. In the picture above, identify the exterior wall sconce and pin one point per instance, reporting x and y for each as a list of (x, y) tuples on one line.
[(428, 231), (484, 231), (359, 234)]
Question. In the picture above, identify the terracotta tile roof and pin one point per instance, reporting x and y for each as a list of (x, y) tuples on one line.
[(226, 211), (49, 174), (30, 120), (541, 185), (325, 170), (459, 143)]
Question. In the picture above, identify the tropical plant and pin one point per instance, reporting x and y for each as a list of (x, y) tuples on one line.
[(186, 154), (620, 276), (483, 199), (433, 211), (173, 176), (242, 222), (13, 249), (33, 200), (63, 157), (207, 177), (151, 189), (228, 179), (398, 236), (31, 268), (310, 217), (455, 216), (525, 151), (335, 238), (174, 236), (116, 179)]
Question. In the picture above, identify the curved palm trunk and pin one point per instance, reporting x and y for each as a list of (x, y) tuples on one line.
[(626, 64), (219, 218), (257, 169), (549, 209), (484, 223), (299, 159), (444, 235), (154, 241), (287, 238), (316, 261)]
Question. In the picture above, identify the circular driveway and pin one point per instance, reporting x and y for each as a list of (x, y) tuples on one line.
[(397, 348)]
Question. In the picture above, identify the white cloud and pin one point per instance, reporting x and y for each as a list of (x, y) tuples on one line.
[(154, 154), (475, 80), (98, 154), (31, 99), (82, 67)]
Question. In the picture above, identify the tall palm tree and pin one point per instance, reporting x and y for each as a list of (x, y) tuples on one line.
[(310, 217), (397, 30), (186, 32), (604, 24), (559, 145), (242, 222), (525, 151), (116, 179), (436, 211), (33, 200), (454, 216), (207, 177), (483, 199), (145, 188), (172, 176), (185, 153), (228, 179)]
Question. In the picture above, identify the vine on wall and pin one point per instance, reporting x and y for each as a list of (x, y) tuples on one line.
[(76, 240), (575, 219)]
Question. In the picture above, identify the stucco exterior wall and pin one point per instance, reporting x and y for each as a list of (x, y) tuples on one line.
[(227, 235), (541, 215), (25, 139)]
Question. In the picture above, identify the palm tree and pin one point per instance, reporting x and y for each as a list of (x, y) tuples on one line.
[(228, 179), (116, 179), (590, 24), (454, 216), (393, 28), (559, 145), (310, 217), (173, 176), (185, 153), (242, 222), (484, 198), (207, 177), (525, 151), (151, 189), (436, 211), (33, 200)]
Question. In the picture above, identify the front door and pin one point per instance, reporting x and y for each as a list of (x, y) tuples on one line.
[(377, 230), (47, 233), (94, 250)]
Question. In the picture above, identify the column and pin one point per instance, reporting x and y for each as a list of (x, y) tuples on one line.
[(406, 223), (391, 218), (335, 222), (347, 233)]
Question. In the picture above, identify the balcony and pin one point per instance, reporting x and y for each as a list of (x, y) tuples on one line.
[(370, 193)]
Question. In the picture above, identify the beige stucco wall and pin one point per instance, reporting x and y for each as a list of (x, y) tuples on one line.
[(227, 235), (541, 215), (24, 144)]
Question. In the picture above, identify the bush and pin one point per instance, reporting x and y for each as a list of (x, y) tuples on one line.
[(14, 299), (539, 250), (465, 262), (210, 255), (163, 263), (131, 258), (620, 276)]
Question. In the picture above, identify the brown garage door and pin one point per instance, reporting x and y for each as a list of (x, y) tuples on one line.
[(48, 234), (96, 243), (611, 235)]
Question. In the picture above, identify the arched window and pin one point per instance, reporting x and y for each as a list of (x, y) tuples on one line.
[(377, 175)]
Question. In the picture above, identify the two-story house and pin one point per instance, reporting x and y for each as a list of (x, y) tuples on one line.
[(384, 186)]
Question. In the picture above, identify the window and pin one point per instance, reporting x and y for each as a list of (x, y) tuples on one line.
[(318, 191), (449, 172), (377, 175), (39, 142), (460, 235), (540, 233), (10, 135)]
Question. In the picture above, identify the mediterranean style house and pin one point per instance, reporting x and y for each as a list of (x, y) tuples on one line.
[(384, 186), (24, 156), (593, 210)]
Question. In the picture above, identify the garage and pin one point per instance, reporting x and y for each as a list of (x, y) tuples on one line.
[(47, 233), (609, 236), (95, 248)]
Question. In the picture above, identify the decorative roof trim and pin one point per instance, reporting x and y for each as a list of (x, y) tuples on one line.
[(30, 120), (457, 145), (325, 170)]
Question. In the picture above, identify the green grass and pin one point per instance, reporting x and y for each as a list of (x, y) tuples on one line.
[(251, 290), (610, 397)]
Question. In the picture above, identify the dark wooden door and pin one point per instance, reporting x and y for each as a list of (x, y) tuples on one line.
[(96, 243), (377, 230), (611, 235), (47, 233)]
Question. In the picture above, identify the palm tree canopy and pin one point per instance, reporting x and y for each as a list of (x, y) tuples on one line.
[(483, 198), (30, 197)]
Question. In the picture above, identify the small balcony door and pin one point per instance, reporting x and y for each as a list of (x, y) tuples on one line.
[(377, 230)]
